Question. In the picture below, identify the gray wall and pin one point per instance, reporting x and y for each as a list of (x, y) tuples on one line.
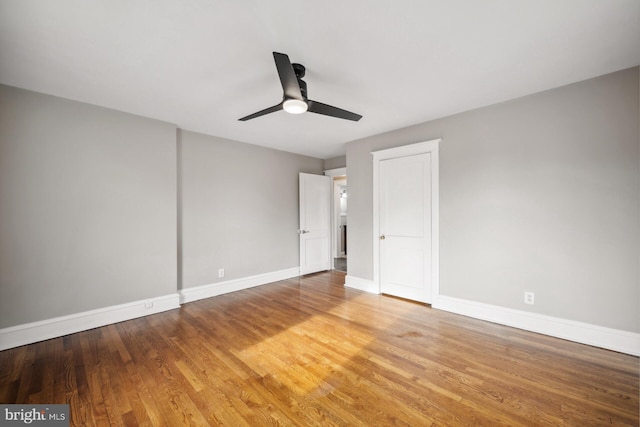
[(537, 194), (87, 207), (335, 162), (239, 208), (93, 201)]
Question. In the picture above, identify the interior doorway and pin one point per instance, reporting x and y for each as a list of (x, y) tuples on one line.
[(339, 226), (340, 221)]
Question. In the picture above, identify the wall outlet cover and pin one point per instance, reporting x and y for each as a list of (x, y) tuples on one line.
[(529, 298)]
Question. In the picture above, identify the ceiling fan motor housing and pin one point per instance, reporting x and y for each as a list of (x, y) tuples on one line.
[(303, 88), (300, 71)]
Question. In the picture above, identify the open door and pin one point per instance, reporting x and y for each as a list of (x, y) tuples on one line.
[(315, 223)]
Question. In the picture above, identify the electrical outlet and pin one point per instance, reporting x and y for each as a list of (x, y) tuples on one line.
[(528, 298), (221, 272)]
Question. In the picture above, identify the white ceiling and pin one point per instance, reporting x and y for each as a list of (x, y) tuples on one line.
[(202, 64)]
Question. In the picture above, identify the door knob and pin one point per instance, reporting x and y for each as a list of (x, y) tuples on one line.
[(382, 237), (302, 231)]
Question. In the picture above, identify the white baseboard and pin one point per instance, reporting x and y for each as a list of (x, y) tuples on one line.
[(29, 333), (361, 284), (219, 288), (598, 336)]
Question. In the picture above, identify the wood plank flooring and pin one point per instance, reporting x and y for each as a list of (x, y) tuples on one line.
[(307, 351)]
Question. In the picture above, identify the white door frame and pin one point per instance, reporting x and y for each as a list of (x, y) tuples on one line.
[(334, 226), (432, 147)]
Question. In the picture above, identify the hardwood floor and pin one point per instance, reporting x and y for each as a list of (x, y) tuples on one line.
[(307, 351)]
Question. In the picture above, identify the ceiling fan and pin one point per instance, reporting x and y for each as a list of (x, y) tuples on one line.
[(295, 99)]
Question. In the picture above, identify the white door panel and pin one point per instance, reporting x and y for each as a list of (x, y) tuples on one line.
[(315, 254), (404, 272), (315, 223), (402, 192)]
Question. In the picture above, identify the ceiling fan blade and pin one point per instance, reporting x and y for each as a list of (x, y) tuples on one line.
[(288, 77), (262, 112), (328, 110)]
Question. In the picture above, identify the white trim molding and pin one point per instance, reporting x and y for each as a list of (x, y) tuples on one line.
[(219, 288), (29, 333), (336, 172), (361, 284), (584, 333)]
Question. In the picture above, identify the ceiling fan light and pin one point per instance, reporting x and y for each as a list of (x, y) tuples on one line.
[(295, 106)]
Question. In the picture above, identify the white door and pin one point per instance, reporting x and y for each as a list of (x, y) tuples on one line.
[(315, 223), (406, 225)]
